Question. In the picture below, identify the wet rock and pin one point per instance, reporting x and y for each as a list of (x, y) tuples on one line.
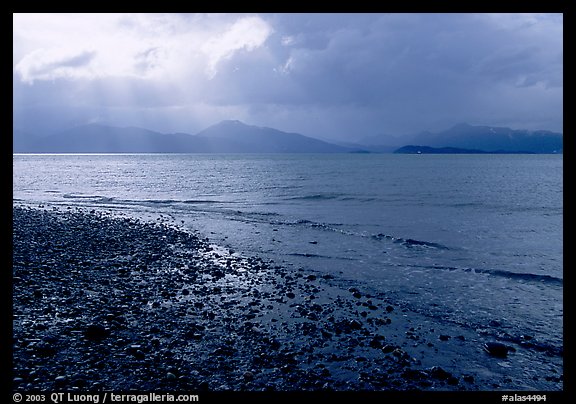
[(389, 309), (388, 348), (290, 295), (60, 381), (494, 323), (414, 374), (218, 274), (96, 332), (496, 349), (376, 342), (468, 378), (444, 337), (79, 381), (438, 373), (44, 349), (170, 376), (325, 334), (453, 381)]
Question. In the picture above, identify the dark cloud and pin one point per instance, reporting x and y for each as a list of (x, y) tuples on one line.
[(329, 75)]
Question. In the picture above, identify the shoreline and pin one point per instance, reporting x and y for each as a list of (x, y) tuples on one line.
[(114, 303)]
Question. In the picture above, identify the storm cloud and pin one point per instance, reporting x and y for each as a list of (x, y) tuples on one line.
[(336, 76)]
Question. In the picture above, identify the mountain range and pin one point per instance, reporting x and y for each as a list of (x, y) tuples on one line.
[(236, 137), (224, 137), (493, 139)]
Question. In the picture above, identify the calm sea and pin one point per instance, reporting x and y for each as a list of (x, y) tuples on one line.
[(468, 239)]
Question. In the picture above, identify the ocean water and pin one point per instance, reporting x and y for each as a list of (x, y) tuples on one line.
[(467, 239)]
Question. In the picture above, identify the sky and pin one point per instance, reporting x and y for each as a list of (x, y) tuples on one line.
[(333, 76)]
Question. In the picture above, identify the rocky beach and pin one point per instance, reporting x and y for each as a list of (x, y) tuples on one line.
[(106, 302)]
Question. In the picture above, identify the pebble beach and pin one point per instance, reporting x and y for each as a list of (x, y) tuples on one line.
[(104, 302)]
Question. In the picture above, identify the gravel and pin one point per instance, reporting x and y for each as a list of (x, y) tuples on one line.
[(105, 302)]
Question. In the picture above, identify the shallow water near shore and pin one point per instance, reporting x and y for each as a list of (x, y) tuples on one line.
[(472, 242)]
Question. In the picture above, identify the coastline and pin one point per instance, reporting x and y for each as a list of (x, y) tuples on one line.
[(114, 303)]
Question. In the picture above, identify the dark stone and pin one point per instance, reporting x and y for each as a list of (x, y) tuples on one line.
[(170, 376), (96, 332), (80, 382), (438, 373), (218, 274), (388, 348), (354, 325), (325, 334), (468, 379), (453, 381), (389, 309), (376, 342), (290, 295), (43, 348), (444, 337), (60, 381), (275, 344), (413, 374), (497, 349)]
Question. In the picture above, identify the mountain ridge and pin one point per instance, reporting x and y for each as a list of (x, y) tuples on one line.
[(233, 136), (492, 139), (223, 137)]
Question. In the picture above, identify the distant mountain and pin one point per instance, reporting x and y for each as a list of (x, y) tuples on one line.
[(257, 139), (95, 138), (383, 142), (367, 148), (412, 149), (480, 138), (237, 137), (22, 140), (493, 139), (224, 137)]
